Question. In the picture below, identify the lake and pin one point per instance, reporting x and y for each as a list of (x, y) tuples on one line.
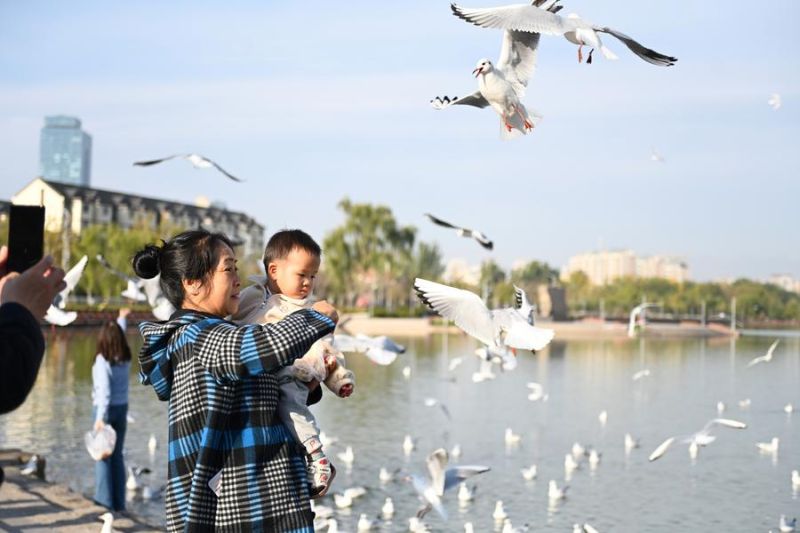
[(731, 486)]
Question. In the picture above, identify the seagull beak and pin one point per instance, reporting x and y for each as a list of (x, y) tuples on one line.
[(477, 71)]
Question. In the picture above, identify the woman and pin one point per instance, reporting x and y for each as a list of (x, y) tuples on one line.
[(232, 465), (110, 398)]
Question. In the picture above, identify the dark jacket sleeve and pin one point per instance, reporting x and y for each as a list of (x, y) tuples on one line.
[(21, 351)]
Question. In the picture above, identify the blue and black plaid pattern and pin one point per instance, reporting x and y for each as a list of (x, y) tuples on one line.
[(222, 391)]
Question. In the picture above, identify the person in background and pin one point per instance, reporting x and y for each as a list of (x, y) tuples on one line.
[(24, 299), (110, 374)]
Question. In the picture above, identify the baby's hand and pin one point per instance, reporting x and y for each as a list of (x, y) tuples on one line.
[(346, 390)]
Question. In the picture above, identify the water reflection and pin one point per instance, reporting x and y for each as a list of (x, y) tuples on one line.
[(582, 378)]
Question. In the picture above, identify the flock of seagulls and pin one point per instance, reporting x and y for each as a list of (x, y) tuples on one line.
[(502, 86)]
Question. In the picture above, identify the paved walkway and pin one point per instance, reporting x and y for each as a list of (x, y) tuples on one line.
[(30, 505)]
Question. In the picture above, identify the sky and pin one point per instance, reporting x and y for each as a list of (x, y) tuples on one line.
[(311, 102)]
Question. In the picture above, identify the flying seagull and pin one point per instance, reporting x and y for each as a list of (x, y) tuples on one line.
[(381, 350), (635, 312), (501, 86), (432, 489), (532, 18), (699, 439), (775, 101), (496, 328), (482, 239), (766, 358), (197, 161), (55, 313)]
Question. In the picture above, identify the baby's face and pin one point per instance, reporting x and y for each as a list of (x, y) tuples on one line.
[(294, 275)]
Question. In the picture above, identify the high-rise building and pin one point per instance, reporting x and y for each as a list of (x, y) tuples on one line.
[(65, 151)]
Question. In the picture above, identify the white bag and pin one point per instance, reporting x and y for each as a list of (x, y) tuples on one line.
[(100, 444)]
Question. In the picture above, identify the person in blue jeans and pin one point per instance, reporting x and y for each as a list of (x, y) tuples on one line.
[(110, 398)]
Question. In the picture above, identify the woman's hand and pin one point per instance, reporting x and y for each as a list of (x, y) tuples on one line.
[(323, 307), (98, 425)]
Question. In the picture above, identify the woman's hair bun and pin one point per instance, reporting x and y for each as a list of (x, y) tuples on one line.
[(146, 262)]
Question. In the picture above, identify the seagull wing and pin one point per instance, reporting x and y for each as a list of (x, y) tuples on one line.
[(155, 161), (380, 356), (437, 462), (462, 307), (386, 343), (771, 349), (662, 449), (228, 174), (518, 17), (59, 317), (457, 474), (651, 56), (440, 222), (71, 279), (523, 305), (519, 333), (475, 99), (518, 58), (727, 422), (482, 239)]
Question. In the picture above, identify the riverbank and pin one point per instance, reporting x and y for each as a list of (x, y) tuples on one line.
[(583, 329), (28, 504)]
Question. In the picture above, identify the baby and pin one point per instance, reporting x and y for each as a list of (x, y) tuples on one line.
[(291, 260)]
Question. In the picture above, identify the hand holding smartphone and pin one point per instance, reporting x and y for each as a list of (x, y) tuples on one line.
[(25, 237)]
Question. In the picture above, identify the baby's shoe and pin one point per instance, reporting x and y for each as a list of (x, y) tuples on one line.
[(320, 475)]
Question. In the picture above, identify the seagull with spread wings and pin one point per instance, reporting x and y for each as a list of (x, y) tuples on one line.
[(699, 439), (541, 18), (496, 328), (55, 313), (432, 489), (503, 85), (197, 161), (767, 357), (481, 239)]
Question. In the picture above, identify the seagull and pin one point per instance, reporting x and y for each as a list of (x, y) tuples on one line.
[(152, 444), (769, 447), (788, 408), (433, 402), (415, 525), (55, 313), (603, 418), (388, 508), (327, 441), (108, 523), (635, 312), (655, 156), (796, 480), (197, 161), (775, 101), (384, 476), (465, 494), (508, 527), (766, 358), (570, 465), (406, 372), (502, 86), (432, 489), (455, 451), (134, 472), (554, 493), (381, 350), (630, 443), (594, 459), (481, 239), (35, 467), (364, 523), (499, 513), (529, 474), (497, 328), (345, 499), (531, 18), (745, 404), (468, 527), (409, 444), (696, 440), (454, 363), (641, 374), (720, 407), (787, 526), (537, 392), (151, 288), (512, 438), (347, 457), (578, 450)]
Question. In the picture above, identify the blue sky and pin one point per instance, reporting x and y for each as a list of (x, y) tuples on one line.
[(313, 101)]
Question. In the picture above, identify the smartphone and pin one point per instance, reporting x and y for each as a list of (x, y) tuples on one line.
[(25, 237)]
